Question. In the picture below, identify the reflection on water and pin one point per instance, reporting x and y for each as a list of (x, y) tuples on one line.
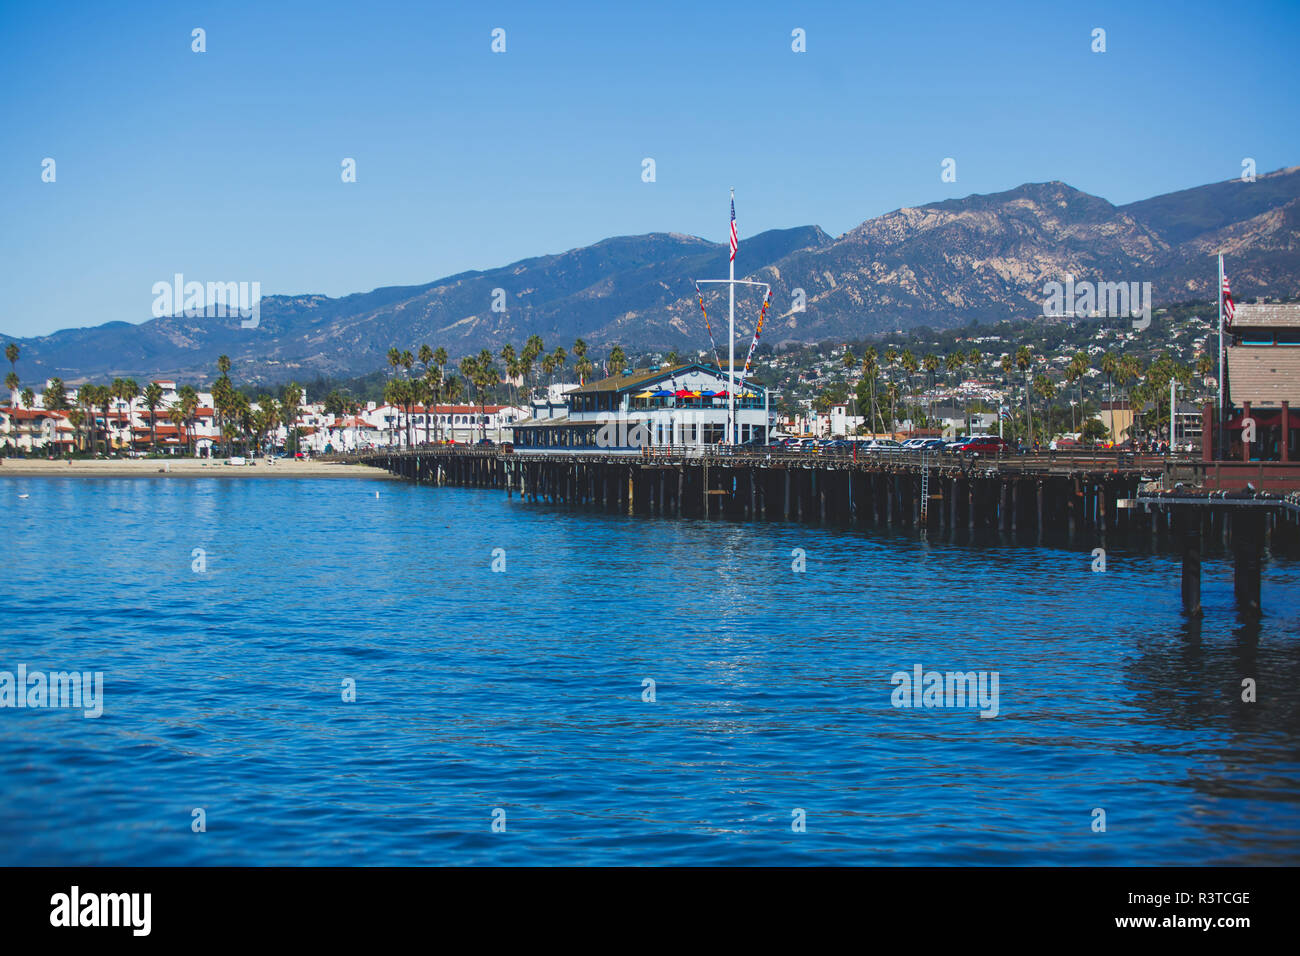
[(523, 690)]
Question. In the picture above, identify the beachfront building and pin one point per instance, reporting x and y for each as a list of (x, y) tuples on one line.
[(29, 430), (679, 405), (395, 426)]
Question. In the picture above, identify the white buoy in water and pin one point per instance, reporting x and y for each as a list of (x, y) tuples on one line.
[(376, 494), (26, 496)]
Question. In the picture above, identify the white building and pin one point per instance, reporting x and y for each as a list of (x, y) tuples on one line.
[(682, 405)]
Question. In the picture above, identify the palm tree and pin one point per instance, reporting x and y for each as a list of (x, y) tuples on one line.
[(617, 360), (910, 367), (1074, 372), (440, 363), (189, 402), (127, 391), (1023, 361), (104, 397), (76, 418), (12, 351), (580, 354), (153, 397), (1045, 389), (1204, 366), (931, 365), (26, 398), (176, 414), (672, 358), (86, 400), (870, 366), (290, 402)]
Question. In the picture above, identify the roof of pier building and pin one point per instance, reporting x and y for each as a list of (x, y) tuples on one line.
[(1264, 375), (637, 378), (1266, 315)]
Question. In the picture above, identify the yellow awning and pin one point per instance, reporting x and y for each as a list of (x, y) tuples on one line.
[(643, 394)]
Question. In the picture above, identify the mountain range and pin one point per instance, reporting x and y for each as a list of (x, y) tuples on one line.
[(982, 258)]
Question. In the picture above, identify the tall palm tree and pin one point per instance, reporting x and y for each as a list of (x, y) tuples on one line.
[(931, 365), (1023, 362), (1074, 372), (104, 397), (910, 368), (290, 407), (76, 418), (395, 394), (126, 390), (580, 354), (12, 351), (153, 398), (189, 402), (86, 401), (617, 360), (870, 366), (1204, 366), (176, 415), (1045, 389), (440, 363)]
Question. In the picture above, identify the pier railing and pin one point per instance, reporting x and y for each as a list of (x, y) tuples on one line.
[(1048, 462)]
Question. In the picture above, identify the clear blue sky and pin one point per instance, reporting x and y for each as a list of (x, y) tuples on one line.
[(225, 165)]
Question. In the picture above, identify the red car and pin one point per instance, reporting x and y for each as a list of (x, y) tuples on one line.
[(990, 446)]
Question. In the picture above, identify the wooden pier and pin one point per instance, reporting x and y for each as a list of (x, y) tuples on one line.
[(1180, 502)]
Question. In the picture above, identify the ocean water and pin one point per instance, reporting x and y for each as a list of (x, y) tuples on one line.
[(518, 696)]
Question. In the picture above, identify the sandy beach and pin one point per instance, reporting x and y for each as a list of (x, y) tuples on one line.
[(182, 468)]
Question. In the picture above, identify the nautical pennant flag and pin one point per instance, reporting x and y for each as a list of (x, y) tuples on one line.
[(1229, 310), (735, 240)]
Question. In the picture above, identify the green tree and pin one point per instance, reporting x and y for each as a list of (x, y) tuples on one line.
[(153, 399)]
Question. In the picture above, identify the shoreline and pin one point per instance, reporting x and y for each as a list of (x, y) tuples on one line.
[(183, 468)]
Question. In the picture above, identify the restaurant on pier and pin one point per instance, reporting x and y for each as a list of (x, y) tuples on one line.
[(680, 405)]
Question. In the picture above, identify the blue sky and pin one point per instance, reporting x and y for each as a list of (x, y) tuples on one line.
[(225, 165)]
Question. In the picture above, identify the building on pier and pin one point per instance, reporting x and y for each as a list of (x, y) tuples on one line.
[(1262, 382), (680, 405)]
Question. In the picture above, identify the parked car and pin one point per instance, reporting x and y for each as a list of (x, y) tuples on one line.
[(485, 443), (986, 445)]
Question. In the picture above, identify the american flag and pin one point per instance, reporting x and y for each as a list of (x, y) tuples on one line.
[(1229, 310), (735, 240)]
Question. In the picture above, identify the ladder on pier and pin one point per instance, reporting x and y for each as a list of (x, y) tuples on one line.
[(925, 488)]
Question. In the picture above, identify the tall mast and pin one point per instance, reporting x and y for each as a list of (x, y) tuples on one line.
[(731, 348), (1218, 292)]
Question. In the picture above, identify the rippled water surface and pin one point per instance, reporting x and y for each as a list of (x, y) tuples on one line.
[(523, 690)]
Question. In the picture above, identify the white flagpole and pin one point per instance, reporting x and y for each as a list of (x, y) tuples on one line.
[(1219, 294), (731, 353)]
